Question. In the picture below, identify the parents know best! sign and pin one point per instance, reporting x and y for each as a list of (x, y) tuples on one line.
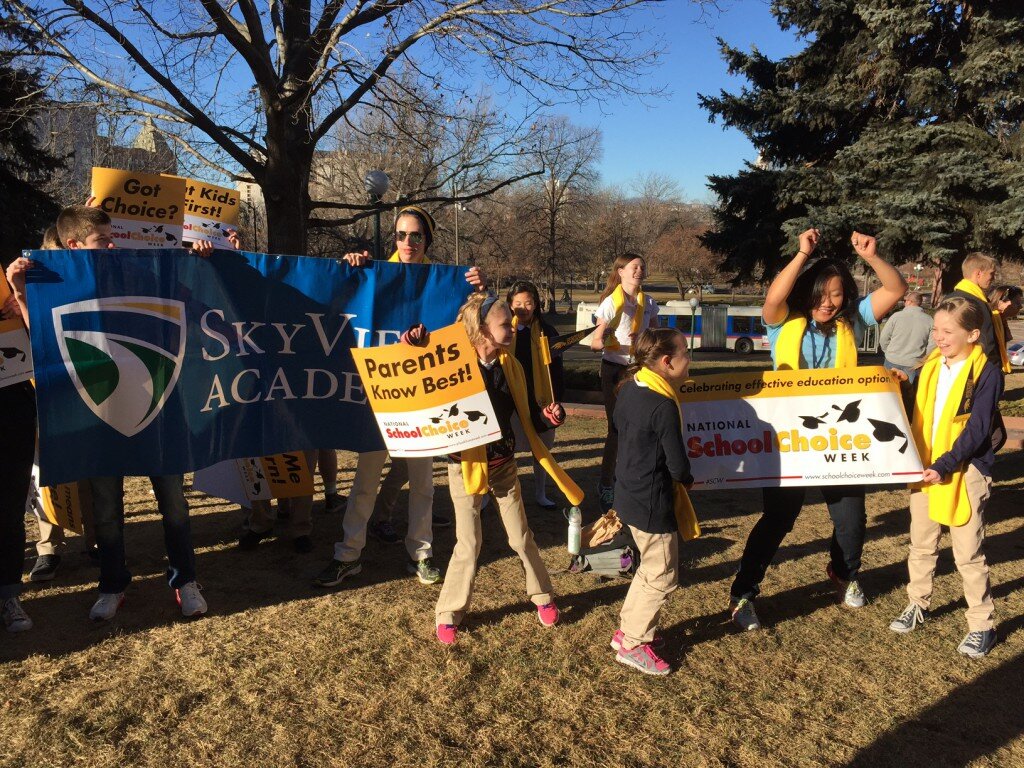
[(430, 400), (842, 426)]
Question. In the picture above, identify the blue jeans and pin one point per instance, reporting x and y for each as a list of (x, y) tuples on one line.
[(781, 508), (108, 510)]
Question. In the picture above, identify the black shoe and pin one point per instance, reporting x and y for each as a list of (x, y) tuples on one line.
[(334, 503), (250, 540), (45, 568), (303, 544)]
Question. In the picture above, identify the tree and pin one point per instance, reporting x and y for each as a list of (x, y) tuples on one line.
[(256, 92), (900, 119), (678, 250), (27, 211)]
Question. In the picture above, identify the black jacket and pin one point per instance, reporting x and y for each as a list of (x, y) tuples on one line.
[(651, 459)]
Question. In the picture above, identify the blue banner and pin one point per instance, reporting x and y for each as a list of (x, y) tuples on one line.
[(161, 362)]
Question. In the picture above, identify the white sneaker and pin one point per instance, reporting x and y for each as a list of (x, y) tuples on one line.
[(15, 618), (106, 606), (191, 602)]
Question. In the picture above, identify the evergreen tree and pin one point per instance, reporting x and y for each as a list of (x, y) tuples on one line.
[(25, 210), (900, 118)]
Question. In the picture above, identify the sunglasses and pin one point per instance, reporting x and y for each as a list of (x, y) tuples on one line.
[(415, 238)]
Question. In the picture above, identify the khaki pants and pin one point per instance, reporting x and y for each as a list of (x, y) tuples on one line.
[(419, 536), (300, 522), (655, 579), (966, 539), (457, 592)]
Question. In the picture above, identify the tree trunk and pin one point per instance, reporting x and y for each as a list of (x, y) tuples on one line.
[(285, 185), (679, 287)]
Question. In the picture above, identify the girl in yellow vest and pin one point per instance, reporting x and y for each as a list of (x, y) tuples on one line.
[(623, 313), (815, 320), (957, 396), (652, 474), (476, 472)]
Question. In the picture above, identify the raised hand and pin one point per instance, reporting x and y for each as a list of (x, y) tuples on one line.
[(865, 245), (809, 240)]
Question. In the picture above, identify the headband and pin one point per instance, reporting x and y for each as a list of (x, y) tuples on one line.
[(485, 307), (422, 215)]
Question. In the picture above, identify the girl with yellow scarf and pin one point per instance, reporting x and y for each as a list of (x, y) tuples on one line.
[(543, 373), (652, 473), (623, 313), (491, 469), (815, 320), (954, 410)]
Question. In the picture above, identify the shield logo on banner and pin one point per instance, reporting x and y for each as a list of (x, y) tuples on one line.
[(123, 354)]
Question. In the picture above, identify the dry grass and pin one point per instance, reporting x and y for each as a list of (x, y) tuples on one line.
[(280, 674)]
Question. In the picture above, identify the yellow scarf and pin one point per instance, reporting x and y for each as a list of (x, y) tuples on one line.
[(540, 355), (618, 302), (686, 516), (948, 503), (787, 348), (474, 460), (997, 321), (395, 259)]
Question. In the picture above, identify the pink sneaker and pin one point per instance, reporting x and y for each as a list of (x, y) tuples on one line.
[(447, 633), (616, 643), (645, 659), (548, 614)]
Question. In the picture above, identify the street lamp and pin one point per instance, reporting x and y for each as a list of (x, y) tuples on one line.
[(693, 319), (376, 183)]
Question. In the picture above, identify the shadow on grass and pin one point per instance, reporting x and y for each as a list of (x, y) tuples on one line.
[(971, 722)]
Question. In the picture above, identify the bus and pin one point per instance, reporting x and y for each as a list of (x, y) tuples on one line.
[(713, 326)]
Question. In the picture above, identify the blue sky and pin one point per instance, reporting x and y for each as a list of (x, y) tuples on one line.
[(672, 135)]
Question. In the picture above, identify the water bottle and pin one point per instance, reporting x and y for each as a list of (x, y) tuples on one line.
[(575, 518)]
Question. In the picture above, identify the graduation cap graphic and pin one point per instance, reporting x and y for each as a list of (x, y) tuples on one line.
[(813, 422), (850, 413), (886, 432)]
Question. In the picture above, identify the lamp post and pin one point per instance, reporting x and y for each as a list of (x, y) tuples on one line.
[(376, 183), (693, 319)]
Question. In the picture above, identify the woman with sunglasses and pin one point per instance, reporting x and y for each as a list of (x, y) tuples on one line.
[(414, 232), (543, 382)]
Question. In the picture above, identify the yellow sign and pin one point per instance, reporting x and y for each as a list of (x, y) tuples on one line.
[(283, 476), (146, 210), (431, 400), (15, 349), (210, 211), (67, 505)]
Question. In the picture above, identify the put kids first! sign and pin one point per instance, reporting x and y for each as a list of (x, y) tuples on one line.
[(210, 211), (146, 210), (798, 428), (428, 401)]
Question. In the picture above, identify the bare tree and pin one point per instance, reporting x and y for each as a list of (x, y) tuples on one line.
[(679, 252), (253, 92)]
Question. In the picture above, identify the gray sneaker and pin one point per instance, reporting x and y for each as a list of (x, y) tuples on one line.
[(15, 618), (643, 658), (854, 595), (425, 571), (977, 644), (336, 572), (744, 616), (907, 621)]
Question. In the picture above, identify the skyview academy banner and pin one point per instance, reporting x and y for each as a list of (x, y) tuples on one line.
[(798, 428), (161, 362)]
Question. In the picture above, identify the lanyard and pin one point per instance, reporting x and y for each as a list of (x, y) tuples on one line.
[(816, 361)]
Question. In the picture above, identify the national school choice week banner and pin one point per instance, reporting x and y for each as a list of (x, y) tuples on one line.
[(428, 401), (798, 428), (161, 362), (146, 210), (15, 351)]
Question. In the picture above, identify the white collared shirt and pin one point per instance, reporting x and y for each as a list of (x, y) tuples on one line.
[(947, 375)]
